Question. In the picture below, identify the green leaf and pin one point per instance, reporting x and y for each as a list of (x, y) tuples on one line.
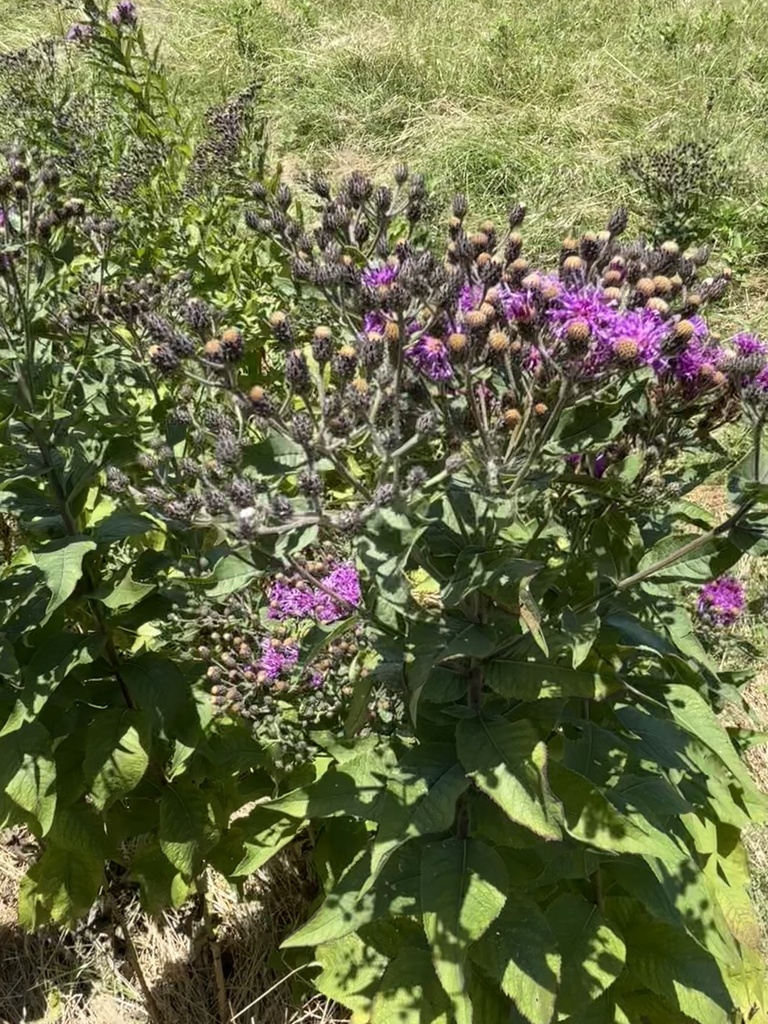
[(409, 992), (593, 952), (263, 833), (420, 800), (120, 525), (351, 970), (160, 885), (583, 630), (61, 563), (530, 615), (346, 908), (519, 952), (507, 761), (463, 890), (60, 887), (166, 695), (356, 788), (232, 575), (188, 828), (670, 964), (28, 773), (79, 829), (522, 679), (116, 754), (127, 592), (591, 818)]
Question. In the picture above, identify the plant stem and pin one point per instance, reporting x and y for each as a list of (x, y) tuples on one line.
[(153, 1011), (225, 1014)]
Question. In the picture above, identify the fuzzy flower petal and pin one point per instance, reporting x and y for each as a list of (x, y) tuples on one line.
[(721, 602), (430, 357), (274, 660), (344, 582)]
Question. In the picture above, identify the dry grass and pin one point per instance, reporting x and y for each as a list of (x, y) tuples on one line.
[(84, 977)]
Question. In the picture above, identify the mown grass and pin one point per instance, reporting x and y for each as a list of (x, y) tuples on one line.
[(535, 102)]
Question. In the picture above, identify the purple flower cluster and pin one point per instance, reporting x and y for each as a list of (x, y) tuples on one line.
[(343, 581), (430, 357), (277, 658), (721, 602), (300, 601), (80, 32), (378, 277), (124, 13)]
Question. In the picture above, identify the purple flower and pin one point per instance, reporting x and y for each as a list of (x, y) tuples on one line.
[(375, 277), (761, 380), (749, 345), (697, 360), (79, 33), (470, 297), (721, 602), (586, 305), (276, 659), (343, 582), (290, 602), (430, 357), (601, 464), (636, 336), (124, 13), (518, 304)]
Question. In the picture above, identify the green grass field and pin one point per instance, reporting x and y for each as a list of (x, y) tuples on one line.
[(504, 101)]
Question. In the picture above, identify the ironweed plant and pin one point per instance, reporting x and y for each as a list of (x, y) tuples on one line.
[(410, 579), (683, 191), (497, 459)]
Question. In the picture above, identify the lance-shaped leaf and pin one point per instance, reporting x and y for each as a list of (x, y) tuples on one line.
[(188, 827), (463, 889), (507, 761), (420, 800), (59, 887), (28, 776), (519, 952), (409, 992), (61, 563), (592, 949), (355, 787), (347, 909), (116, 754)]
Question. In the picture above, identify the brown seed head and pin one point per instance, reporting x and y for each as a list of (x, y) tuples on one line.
[(683, 330), (519, 266), (626, 349), (212, 349), (483, 259), (540, 409), (645, 287), (612, 277), (570, 244), (671, 248), (662, 284), (498, 341), (612, 294), (577, 331), (324, 333), (479, 239), (659, 305), (487, 310), (392, 331), (457, 343), (511, 419), (476, 319), (573, 264)]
